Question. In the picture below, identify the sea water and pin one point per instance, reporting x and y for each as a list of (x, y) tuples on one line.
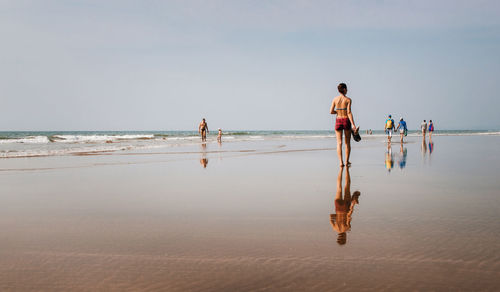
[(53, 143)]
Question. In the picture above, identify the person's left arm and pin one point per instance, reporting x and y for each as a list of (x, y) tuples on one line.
[(349, 113)]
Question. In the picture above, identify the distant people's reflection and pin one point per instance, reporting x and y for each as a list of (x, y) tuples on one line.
[(344, 207), (204, 159), (402, 157), (424, 147), (389, 158), (431, 146), (220, 152)]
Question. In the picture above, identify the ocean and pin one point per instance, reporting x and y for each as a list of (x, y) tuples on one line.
[(17, 144)]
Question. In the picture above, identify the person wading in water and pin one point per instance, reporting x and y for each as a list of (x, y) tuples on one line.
[(203, 130)]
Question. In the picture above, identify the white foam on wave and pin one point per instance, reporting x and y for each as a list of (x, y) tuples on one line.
[(74, 151), (27, 140), (97, 138), (188, 138)]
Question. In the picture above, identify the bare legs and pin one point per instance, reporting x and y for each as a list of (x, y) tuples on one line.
[(338, 195), (347, 146), (339, 146)]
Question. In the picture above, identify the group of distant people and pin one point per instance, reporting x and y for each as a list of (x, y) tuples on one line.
[(403, 128), (424, 127)]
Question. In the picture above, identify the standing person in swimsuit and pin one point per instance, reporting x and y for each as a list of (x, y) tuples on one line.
[(341, 106), (203, 130), (219, 136)]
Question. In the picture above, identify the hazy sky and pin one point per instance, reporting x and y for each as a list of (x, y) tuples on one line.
[(163, 65)]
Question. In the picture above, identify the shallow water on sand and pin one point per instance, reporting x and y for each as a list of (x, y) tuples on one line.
[(255, 216)]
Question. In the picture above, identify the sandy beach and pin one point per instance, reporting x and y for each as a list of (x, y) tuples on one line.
[(253, 216)]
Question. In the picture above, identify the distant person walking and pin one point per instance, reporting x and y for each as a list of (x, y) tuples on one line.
[(402, 128), (389, 127), (344, 123), (431, 129), (203, 130), (423, 127)]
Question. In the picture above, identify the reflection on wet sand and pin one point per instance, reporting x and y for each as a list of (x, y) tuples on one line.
[(424, 148), (344, 207), (204, 159), (402, 157), (389, 158)]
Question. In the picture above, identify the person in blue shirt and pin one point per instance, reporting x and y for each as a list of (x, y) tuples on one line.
[(431, 129), (403, 130)]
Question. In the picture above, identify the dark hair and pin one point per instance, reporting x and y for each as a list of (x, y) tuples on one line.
[(342, 238), (430, 121), (342, 88), (424, 120)]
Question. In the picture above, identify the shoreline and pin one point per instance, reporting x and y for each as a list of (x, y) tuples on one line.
[(91, 144)]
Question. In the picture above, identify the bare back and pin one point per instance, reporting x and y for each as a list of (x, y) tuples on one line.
[(342, 106)]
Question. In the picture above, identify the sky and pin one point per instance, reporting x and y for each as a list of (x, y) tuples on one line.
[(247, 65)]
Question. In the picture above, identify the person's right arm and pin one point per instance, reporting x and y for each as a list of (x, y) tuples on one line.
[(332, 108)]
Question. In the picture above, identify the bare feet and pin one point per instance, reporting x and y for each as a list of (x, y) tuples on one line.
[(341, 164), (348, 163)]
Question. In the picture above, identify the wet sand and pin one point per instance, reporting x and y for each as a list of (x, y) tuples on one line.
[(254, 216)]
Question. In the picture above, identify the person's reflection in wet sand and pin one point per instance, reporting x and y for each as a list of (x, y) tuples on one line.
[(344, 207), (389, 158), (431, 147), (424, 147), (402, 157), (220, 152), (204, 159)]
